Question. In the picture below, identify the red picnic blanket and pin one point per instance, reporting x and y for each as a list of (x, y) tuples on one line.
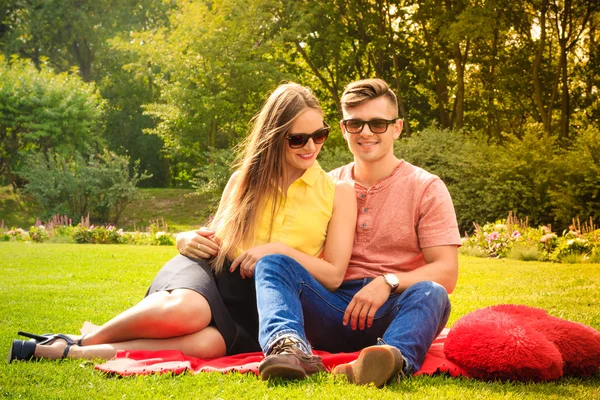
[(142, 362)]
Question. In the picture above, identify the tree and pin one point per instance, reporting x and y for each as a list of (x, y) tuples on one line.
[(71, 33), (212, 68), (42, 110), (68, 35)]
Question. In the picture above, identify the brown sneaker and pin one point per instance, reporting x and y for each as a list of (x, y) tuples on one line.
[(286, 360), (375, 364)]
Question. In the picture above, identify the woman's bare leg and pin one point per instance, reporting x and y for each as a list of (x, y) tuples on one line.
[(207, 343), (158, 316)]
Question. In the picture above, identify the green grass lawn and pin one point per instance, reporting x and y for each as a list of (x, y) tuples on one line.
[(55, 287), (179, 208)]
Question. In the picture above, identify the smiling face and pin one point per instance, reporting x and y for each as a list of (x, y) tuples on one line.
[(299, 160), (368, 146)]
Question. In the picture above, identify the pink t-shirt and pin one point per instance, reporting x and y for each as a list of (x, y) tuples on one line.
[(409, 210)]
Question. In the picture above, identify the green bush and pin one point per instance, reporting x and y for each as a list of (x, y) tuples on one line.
[(42, 110), (102, 186), (163, 239), (210, 179), (38, 233), (111, 235), (333, 156), (524, 253), (17, 234), (575, 189), (570, 247), (464, 164), (528, 176), (473, 251)]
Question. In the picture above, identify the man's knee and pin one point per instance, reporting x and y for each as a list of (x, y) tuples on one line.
[(431, 292)]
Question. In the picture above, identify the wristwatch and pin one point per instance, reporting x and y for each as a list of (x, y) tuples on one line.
[(391, 280)]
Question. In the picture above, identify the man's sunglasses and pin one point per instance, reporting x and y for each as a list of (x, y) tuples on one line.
[(375, 125), (298, 140)]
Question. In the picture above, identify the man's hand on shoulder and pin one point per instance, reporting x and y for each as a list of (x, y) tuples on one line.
[(199, 244), (365, 303)]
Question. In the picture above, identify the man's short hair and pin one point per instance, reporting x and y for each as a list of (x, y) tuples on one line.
[(359, 92)]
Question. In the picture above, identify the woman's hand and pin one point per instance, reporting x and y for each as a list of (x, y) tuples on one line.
[(248, 259), (199, 244)]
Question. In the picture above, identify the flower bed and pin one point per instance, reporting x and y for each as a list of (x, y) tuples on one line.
[(61, 229), (513, 238)]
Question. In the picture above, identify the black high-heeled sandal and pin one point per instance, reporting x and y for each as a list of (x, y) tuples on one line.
[(38, 339), (25, 349), (35, 337)]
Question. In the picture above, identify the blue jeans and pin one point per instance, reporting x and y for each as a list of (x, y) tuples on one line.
[(291, 302)]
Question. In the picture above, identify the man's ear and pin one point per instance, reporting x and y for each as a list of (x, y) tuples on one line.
[(398, 128), (344, 133)]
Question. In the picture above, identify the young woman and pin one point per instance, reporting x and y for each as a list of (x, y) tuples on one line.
[(278, 201)]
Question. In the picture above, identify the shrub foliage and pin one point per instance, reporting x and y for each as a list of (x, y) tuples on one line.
[(528, 176), (41, 110), (101, 186)]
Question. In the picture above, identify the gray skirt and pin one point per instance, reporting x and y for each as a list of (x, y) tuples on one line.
[(232, 299)]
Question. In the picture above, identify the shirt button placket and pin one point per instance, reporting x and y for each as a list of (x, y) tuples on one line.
[(364, 219)]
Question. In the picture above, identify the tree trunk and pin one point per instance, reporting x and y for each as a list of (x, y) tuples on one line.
[(83, 55), (546, 117), (212, 138), (441, 91), (565, 101), (401, 103), (459, 102), (492, 84), (331, 87)]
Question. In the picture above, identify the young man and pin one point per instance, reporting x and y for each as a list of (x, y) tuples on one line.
[(394, 298)]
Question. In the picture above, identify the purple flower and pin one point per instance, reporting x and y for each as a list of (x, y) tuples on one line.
[(492, 236)]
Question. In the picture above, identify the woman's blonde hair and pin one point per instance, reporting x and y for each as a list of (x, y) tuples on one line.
[(261, 164)]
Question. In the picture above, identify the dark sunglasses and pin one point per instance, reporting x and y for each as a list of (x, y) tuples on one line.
[(298, 140), (375, 125)]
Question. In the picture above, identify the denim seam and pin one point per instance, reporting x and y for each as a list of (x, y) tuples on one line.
[(392, 309), (321, 297)]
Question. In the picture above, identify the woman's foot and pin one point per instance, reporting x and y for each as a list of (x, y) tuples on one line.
[(41, 346), (58, 349)]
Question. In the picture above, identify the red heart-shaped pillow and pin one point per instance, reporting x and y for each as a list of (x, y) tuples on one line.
[(515, 342), (579, 344)]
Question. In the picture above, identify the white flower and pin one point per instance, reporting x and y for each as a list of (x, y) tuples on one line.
[(159, 234)]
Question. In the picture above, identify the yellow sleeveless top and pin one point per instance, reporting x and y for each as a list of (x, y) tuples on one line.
[(303, 215)]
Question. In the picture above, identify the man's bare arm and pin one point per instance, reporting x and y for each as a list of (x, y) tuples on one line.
[(441, 267)]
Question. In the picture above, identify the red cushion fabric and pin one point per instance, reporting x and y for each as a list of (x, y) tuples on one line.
[(516, 342)]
